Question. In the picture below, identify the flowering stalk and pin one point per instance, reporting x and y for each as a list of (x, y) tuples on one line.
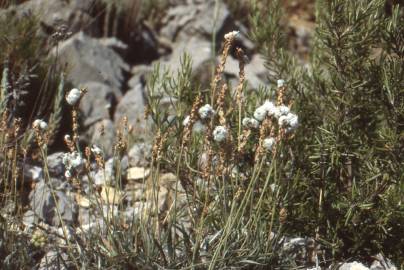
[(239, 91), (229, 39)]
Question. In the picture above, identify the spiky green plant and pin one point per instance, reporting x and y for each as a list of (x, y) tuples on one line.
[(349, 165)]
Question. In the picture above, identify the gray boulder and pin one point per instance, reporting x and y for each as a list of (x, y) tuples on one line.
[(55, 164), (132, 105), (44, 205), (75, 15), (88, 59), (196, 19), (98, 102)]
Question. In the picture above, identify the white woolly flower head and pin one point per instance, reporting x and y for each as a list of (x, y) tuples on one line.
[(206, 111), (268, 143), (280, 83), (269, 107), (281, 110), (73, 96), (260, 113), (250, 122), (290, 121), (73, 161), (220, 133), (231, 35), (40, 124), (266, 109), (96, 150)]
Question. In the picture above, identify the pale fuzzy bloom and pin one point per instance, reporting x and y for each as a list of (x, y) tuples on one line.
[(269, 107), (73, 161), (290, 121), (198, 127), (354, 266), (67, 137), (260, 113), (268, 143), (96, 150), (281, 83), (39, 123), (73, 96), (266, 109), (283, 121), (293, 121), (186, 120), (281, 110), (220, 133), (232, 35), (250, 123), (206, 111)]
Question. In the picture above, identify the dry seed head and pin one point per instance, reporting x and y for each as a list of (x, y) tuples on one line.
[(281, 92), (87, 153), (159, 142), (120, 145), (209, 153), (283, 215), (229, 39), (4, 118), (17, 126), (265, 128), (193, 117), (221, 103), (75, 122), (240, 56), (243, 140)]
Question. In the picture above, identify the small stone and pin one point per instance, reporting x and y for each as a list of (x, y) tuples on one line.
[(140, 154), (61, 233), (33, 173), (353, 266), (43, 203), (138, 173), (111, 195), (54, 260), (83, 201)]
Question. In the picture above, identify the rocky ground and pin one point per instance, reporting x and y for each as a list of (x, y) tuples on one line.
[(114, 68)]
